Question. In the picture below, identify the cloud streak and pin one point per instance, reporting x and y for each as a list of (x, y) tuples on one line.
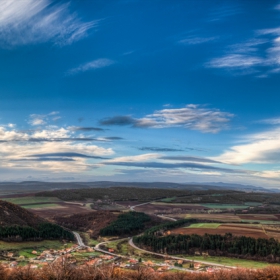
[(156, 149), (260, 54), (192, 117), (92, 65), (189, 165), (40, 21)]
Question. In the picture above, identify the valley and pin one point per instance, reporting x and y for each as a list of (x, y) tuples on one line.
[(95, 214)]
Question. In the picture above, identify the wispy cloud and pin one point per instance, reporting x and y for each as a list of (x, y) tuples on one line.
[(157, 149), (188, 165), (190, 158), (39, 21), (259, 55), (192, 117), (95, 64), (38, 119), (196, 40), (223, 12), (235, 61)]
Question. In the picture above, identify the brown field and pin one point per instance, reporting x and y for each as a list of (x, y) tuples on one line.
[(223, 229), (62, 209), (226, 217), (261, 217), (168, 208)]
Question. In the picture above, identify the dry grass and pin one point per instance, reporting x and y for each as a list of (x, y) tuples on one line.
[(64, 271)]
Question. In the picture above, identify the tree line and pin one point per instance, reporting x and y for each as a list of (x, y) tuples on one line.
[(127, 223), (221, 245), (43, 231)]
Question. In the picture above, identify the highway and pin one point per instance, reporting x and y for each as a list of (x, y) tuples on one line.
[(79, 239)]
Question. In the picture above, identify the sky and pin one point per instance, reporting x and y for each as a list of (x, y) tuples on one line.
[(131, 90)]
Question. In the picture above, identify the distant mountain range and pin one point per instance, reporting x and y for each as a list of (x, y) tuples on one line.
[(8, 188)]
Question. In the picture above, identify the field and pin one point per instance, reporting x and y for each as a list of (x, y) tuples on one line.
[(204, 225), (34, 245), (31, 200), (223, 206), (254, 231), (231, 261)]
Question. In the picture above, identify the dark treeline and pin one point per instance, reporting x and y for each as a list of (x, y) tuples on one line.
[(159, 229), (43, 231), (127, 223), (221, 245)]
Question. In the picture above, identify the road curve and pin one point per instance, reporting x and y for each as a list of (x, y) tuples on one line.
[(176, 258)]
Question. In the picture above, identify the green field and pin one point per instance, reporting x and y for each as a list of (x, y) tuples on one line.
[(34, 245), (230, 261), (31, 200), (168, 199), (47, 205), (204, 225), (223, 206)]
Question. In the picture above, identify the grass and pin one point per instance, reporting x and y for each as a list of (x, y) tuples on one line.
[(34, 245), (89, 241), (169, 199), (253, 203), (231, 261), (35, 206), (31, 199), (204, 225)]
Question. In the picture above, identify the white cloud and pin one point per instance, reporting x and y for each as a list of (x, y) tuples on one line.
[(95, 64), (235, 61), (16, 149), (25, 22), (192, 117), (137, 158), (259, 148)]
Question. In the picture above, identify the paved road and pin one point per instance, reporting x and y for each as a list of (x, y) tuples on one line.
[(97, 248), (132, 207), (79, 239), (176, 258)]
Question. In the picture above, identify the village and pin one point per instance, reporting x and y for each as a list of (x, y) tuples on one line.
[(88, 256)]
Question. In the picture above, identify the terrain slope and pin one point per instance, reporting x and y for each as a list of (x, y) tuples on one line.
[(11, 214)]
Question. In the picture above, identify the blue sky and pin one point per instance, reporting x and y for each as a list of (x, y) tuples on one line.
[(178, 91)]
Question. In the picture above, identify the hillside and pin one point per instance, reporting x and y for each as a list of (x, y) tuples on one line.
[(11, 214), (18, 224), (91, 222)]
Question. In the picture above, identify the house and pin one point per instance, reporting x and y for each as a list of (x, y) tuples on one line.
[(197, 265), (148, 263), (33, 266), (163, 268), (210, 269), (13, 264), (93, 262)]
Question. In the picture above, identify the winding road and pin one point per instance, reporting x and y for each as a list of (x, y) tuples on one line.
[(130, 242)]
